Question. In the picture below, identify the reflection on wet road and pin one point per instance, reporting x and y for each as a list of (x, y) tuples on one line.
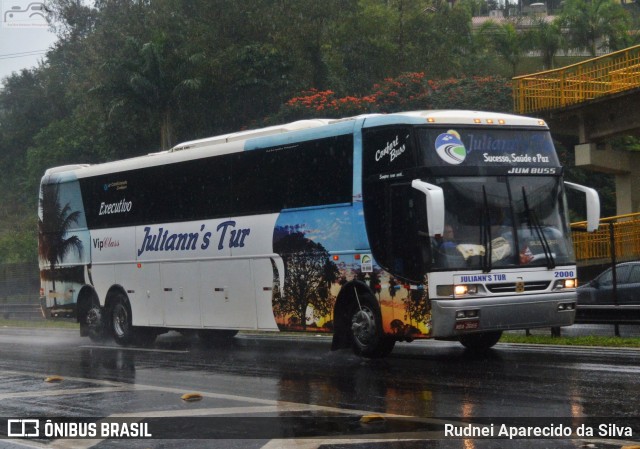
[(259, 391)]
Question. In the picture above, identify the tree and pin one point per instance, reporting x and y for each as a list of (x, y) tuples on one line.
[(158, 80), (547, 38), (308, 270), (441, 40), (409, 91), (53, 226), (507, 41), (596, 24)]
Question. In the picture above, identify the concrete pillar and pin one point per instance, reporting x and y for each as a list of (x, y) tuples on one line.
[(623, 164)]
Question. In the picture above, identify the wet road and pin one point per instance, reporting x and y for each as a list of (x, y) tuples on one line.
[(261, 391)]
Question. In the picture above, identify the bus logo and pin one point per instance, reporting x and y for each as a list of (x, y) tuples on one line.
[(450, 148)]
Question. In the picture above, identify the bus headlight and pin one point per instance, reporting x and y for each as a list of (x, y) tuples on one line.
[(562, 284), (458, 290), (465, 289)]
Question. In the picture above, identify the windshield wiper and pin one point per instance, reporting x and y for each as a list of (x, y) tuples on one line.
[(535, 224), (485, 233)]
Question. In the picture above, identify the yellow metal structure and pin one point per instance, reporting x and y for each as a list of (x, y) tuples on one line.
[(595, 247), (597, 77)]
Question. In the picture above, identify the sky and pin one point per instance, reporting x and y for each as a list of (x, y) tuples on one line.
[(24, 35)]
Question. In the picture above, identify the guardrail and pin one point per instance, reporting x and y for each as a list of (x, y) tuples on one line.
[(597, 77), (620, 233), (27, 312)]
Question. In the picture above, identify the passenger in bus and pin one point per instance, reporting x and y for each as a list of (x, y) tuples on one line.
[(448, 237), (447, 254), (502, 243)]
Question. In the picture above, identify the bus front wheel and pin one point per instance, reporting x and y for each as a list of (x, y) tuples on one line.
[(480, 342), (367, 336), (120, 320)]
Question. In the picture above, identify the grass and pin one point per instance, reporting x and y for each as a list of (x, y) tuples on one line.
[(39, 324), (587, 340)]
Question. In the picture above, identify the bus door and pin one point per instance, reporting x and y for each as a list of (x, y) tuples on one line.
[(406, 236)]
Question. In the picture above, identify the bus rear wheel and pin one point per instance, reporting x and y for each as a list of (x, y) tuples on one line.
[(93, 321), (480, 342), (368, 339)]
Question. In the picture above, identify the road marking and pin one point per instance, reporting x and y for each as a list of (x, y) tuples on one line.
[(122, 348), (69, 391), (315, 443), (25, 443)]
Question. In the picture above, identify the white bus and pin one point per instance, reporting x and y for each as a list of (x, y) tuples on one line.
[(377, 228)]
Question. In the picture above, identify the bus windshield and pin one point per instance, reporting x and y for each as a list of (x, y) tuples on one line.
[(487, 147), (502, 221)]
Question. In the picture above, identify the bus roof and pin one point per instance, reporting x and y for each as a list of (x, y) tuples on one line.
[(238, 141), (453, 117)]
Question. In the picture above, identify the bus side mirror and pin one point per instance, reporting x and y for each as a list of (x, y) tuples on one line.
[(593, 205), (435, 206)]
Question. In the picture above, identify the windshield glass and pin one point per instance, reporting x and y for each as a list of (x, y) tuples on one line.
[(500, 221)]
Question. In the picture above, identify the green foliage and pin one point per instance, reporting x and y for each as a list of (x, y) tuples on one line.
[(507, 41), (596, 24), (18, 246), (589, 340), (546, 37)]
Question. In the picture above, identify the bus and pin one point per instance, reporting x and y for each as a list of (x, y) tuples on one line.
[(378, 228)]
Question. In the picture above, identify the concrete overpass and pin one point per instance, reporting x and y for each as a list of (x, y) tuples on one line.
[(589, 104)]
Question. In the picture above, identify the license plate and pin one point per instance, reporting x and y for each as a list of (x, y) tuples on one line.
[(467, 325)]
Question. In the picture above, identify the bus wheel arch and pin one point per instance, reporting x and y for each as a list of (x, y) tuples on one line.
[(358, 322), (90, 315)]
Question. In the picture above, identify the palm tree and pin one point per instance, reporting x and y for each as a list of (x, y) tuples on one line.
[(158, 76), (53, 225), (596, 24), (547, 37), (506, 41)]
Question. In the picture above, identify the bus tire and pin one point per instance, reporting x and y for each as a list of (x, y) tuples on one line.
[(91, 317), (480, 342), (120, 321), (93, 320), (367, 336)]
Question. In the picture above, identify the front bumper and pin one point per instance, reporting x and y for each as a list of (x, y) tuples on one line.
[(502, 313)]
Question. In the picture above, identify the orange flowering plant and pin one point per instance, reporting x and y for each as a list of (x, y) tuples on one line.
[(408, 91)]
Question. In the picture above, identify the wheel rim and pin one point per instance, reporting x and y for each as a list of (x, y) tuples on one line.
[(120, 320), (363, 326), (93, 318)]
